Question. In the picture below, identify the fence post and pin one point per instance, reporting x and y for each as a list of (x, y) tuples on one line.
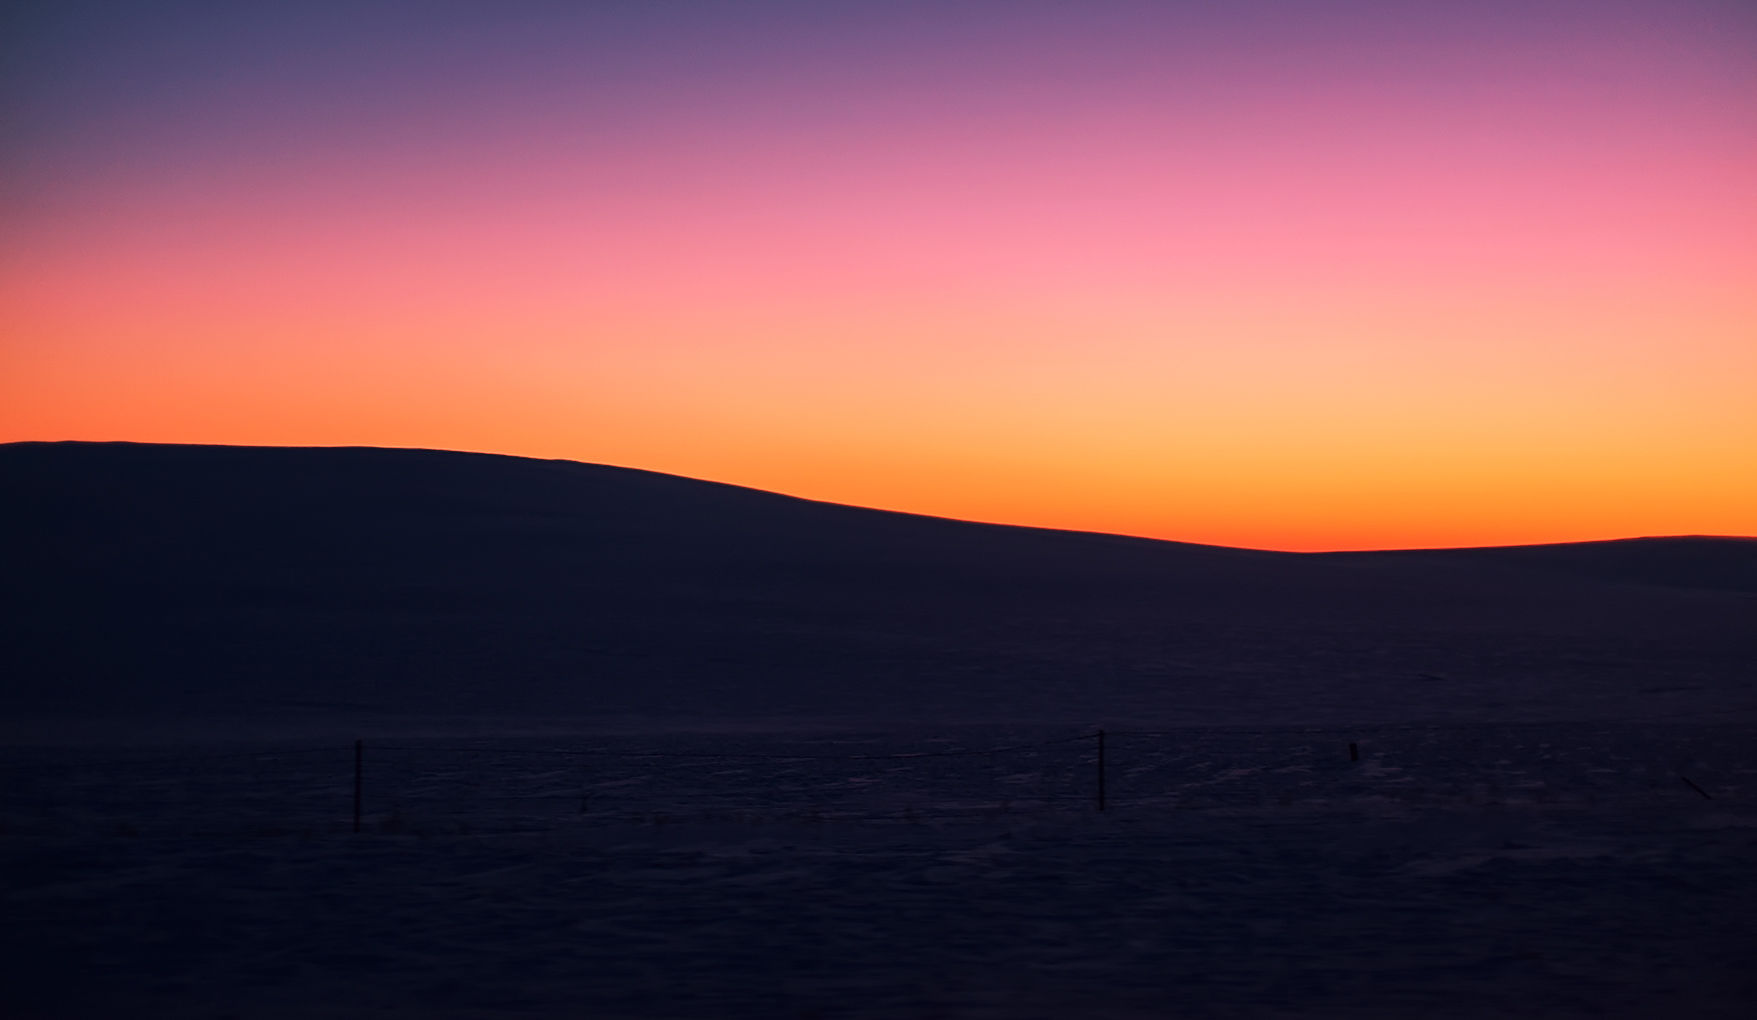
[(359, 761), (1101, 770)]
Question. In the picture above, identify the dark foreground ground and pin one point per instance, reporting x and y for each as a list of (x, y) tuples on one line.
[(1519, 837), (1536, 870)]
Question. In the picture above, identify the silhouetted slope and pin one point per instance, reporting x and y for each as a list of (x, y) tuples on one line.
[(251, 581), (1684, 561)]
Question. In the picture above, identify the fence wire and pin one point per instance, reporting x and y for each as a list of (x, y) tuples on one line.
[(421, 787)]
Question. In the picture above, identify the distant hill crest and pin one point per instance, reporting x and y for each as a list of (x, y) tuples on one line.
[(213, 580)]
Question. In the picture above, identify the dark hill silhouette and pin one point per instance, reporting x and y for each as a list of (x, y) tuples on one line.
[(345, 583), (1683, 561)]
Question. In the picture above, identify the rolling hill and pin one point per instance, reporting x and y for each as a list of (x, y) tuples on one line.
[(344, 584)]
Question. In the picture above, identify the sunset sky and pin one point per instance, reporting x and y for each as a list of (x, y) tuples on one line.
[(1290, 275)]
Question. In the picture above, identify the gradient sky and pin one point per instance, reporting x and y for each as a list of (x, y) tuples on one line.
[(1291, 275)]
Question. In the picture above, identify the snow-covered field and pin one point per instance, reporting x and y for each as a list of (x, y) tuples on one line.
[(1561, 869)]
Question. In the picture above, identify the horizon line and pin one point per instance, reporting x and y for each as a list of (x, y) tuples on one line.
[(889, 510)]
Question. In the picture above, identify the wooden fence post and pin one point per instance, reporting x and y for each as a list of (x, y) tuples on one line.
[(359, 762), (1101, 770)]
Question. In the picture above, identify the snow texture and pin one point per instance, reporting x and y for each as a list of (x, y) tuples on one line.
[(1475, 871)]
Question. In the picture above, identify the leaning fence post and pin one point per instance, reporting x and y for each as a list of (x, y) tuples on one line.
[(1101, 770), (359, 761)]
